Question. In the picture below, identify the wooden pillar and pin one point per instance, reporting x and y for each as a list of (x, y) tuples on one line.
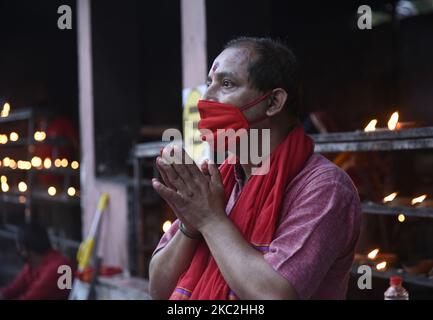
[(113, 239), (194, 53)]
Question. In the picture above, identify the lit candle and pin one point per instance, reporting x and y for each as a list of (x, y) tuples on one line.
[(381, 266)]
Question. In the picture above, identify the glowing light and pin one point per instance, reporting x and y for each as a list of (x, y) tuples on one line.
[(40, 135), (390, 197), (14, 136), (22, 186), (6, 161), (75, 165), (36, 162), (13, 164), (166, 226), (392, 123), (381, 266), (52, 191), (71, 191), (371, 126), (47, 163), (21, 164), (24, 165), (372, 255), (3, 139), (418, 199), (6, 109), (5, 187), (401, 217), (57, 163), (64, 163), (4, 179)]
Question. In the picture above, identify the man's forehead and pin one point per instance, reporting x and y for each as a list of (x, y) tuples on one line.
[(232, 60), (221, 74)]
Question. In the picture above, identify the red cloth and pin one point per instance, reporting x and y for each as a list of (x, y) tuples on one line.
[(39, 283), (255, 214)]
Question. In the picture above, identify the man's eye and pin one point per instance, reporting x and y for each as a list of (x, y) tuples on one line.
[(227, 83)]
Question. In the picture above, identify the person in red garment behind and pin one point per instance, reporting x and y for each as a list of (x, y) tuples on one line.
[(38, 278)]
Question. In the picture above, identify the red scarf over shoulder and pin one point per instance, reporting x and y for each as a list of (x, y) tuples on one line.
[(255, 214)]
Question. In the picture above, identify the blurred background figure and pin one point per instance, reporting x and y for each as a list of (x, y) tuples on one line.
[(39, 277)]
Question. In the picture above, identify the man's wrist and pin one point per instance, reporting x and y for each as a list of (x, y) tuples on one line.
[(188, 233), (210, 226)]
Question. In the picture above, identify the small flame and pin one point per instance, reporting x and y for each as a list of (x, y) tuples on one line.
[(166, 226), (58, 163), (64, 163), (13, 164), (24, 165), (5, 111), (392, 123), (381, 266), (40, 135), (401, 217), (371, 126), (390, 197), (372, 255), (14, 136), (52, 191), (6, 107), (36, 162), (21, 165), (71, 191), (75, 165), (47, 163), (5, 187), (22, 186), (6, 161), (3, 139), (418, 199)]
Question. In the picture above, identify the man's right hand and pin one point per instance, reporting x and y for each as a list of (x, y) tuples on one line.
[(203, 167), (169, 263)]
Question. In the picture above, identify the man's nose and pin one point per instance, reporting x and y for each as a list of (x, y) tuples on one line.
[(209, 95)]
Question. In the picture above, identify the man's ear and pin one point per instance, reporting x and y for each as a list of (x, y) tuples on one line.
[(278, 100)]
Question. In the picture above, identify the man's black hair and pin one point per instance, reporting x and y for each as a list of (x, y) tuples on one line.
[(273, 65), (33, 237)]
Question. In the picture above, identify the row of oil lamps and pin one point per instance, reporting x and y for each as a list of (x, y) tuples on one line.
[(393, 201), (393, 124), (36, 162), (378, 260), (22, 187), (14, 136)]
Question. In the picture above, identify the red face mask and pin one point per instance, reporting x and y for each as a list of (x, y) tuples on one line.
[(216, 115)]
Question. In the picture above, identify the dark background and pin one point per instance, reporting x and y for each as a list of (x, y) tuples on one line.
[(353, 75)]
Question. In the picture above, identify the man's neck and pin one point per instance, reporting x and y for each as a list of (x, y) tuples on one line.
[(276, 137)]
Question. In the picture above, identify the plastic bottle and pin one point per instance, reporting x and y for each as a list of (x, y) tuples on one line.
[(396, 291)]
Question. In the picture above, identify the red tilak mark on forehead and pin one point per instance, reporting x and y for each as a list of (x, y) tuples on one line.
[(215, 66)]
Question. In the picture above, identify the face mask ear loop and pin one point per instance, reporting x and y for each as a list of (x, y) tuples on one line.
[(251, 104), (256, 101)]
